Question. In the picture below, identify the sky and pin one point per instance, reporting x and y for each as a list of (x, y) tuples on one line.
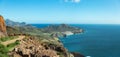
[(62, 11)]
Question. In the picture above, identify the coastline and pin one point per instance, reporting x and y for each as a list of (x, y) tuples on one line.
[(75, 54), (66, 33), (48, 35)]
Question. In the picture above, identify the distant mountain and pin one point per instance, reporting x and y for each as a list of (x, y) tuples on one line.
[(12, 23), (53, 30), (17, 28), (61, 30)]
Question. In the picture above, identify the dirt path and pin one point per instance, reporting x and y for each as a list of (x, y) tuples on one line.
[(12, 41)]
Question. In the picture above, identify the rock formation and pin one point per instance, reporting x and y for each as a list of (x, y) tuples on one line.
[(2, 27), (30, 47)]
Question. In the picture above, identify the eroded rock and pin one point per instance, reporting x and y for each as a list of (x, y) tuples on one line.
[(32, 48), (2, 27)]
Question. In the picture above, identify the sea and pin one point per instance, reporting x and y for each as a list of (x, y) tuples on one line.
[(97, 40)]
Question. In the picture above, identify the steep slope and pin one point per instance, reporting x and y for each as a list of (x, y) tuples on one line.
[(32, 47), (11, 31), (2, 27)]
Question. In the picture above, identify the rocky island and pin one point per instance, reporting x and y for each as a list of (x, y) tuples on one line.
[(23, 40)]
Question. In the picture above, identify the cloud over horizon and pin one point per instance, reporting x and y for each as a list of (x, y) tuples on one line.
[(74, 1)]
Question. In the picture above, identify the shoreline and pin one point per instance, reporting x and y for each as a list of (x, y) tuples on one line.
[(75, 54)]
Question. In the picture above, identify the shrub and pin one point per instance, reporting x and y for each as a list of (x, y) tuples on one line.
[(3, 51), (13, 44), (6, 38)]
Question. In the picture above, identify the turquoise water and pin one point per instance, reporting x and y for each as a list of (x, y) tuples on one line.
[(96, 41)]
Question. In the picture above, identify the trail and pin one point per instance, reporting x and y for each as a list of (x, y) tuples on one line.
[(12, 41)]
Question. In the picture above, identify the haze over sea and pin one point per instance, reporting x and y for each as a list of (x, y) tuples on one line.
[(96, 41)]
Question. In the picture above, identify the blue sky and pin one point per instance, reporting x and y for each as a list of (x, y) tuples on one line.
[(62, 11)]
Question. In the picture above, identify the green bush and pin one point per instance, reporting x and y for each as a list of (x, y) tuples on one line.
[(3, 51), (13, 44), (7, 38), (4, 39), (3, 55)]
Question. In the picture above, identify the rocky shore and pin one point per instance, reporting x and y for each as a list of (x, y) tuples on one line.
[(77, 54)]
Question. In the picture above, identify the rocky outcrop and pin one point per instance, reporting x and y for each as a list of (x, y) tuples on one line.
[(2, 27), (31, 47)]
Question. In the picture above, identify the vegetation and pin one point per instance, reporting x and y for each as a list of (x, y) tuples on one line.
[(60, 54), (11, 30), (21, 28), (3, 39), (60, 28), (12, 45), (3, 51)]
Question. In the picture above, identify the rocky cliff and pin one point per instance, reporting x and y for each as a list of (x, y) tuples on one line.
[(2, 27)]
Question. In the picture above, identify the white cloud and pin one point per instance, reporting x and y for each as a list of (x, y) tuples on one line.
[(74, 1)]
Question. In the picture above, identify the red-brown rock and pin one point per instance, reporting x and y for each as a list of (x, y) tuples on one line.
[(2, 27)]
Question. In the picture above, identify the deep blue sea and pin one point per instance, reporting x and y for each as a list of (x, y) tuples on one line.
[(96, 41)]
